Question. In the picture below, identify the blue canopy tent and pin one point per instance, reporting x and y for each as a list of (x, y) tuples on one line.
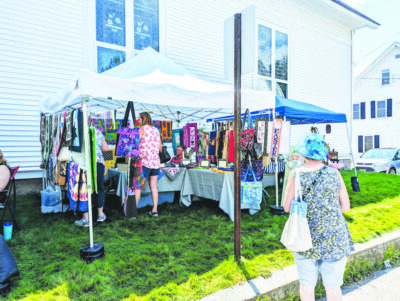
[(297, 113)]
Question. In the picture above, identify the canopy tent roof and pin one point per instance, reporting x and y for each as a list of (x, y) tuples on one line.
[(296, 112), (167, 91)]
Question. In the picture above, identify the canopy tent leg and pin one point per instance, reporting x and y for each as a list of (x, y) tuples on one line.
[(354, 180), (93, 251)]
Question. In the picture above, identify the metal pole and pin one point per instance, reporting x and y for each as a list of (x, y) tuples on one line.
[(88, 166), (237, 85)]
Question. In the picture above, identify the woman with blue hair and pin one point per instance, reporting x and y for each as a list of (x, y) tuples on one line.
[(326, 196)]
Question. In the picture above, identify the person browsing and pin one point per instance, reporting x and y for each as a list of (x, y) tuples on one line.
[(326, 196), (149, 149)]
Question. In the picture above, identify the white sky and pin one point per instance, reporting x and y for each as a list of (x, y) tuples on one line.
[(369, 43)]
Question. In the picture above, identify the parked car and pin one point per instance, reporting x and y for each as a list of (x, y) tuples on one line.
[(380, 160)]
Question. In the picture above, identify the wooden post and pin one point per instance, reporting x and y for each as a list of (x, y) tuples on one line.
[(237, 112)]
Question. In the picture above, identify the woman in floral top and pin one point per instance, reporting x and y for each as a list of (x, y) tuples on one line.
[(149, 152), (325, 193)]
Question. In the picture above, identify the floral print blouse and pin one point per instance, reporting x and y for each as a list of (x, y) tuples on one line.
[(149, 147), (329, 232)]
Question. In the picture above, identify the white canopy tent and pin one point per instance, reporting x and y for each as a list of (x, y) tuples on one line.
[(159, 86), (155, 84)]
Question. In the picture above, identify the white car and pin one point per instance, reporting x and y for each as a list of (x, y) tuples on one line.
[(385, 160)]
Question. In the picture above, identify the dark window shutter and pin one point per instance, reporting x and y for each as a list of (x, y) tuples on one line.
[(389, 107), (362, 110), (376, 141), (373, 109), (360, 144)]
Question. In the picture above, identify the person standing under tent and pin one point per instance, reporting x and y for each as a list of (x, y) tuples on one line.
[(101, 146), (326, 196), (149, 149)]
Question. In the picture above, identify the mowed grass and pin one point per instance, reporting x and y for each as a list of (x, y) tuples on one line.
[(184, 254)]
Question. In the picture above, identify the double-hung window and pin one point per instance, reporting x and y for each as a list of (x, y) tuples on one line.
[(386, 77), (368, 143), (272, 68), (381, 108), (124, 27), (356, 111)]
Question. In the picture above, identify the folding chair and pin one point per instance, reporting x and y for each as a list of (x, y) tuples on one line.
[(9, 201)]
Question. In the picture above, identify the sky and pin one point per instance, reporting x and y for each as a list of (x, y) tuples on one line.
[(370, 43)]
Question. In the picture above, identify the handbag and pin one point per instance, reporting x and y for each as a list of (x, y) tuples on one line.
[(250, 190), (246, 135), (128, 143), (296, 235), (164, 155)]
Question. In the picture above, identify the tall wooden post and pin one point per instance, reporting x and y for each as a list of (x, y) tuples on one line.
[(237, 112)]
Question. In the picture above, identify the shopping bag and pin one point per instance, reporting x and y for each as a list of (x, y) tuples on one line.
[(296, 234), (128, 143), (250, 190), (246, 135)]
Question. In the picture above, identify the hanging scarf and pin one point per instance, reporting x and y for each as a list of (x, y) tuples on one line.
[(68, 129)]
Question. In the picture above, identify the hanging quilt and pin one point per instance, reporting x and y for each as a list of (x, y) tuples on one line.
[(77, 187), (77, 131), (128, 144), (166, 131), (211, 143), (175, 139), (67, 137)]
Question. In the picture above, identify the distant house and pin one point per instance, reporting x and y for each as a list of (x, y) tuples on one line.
[(376, 103), (304, 52)]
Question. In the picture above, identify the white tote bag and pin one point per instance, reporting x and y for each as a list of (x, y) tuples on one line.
[(296, 234)]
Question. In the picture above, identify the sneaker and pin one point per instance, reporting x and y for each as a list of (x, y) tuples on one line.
[(82, 222), (153, 214), (101, 218)]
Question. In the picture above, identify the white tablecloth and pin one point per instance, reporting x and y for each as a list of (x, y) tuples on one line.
[(211, 185)]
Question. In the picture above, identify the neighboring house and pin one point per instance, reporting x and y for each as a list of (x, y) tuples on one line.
[(376, 103), (304, 52)]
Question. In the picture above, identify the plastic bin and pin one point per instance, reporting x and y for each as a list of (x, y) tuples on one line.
[(51, 200)]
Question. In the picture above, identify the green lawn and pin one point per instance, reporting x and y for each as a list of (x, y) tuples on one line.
[(184, 254)]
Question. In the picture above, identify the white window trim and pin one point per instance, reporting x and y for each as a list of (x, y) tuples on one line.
[(377, 109), (273, 80), (90, 33)]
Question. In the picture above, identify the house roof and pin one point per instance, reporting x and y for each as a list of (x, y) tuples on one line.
[(378, 58), (353, 10), (341, 12)]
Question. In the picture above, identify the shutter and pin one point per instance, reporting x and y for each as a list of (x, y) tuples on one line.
[(360, 144), (373, 108), (389, 107), (376, 141), (362, 110)]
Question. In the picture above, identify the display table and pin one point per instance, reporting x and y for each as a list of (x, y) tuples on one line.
[(211, 185), (164, 184)]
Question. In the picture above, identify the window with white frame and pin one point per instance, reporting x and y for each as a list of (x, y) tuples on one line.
[(386, 77), (381, 108), (124, 27), (356, 111), (368, 143), (272, 60)]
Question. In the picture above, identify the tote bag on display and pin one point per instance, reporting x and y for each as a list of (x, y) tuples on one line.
[(128, 143), (296, 235)]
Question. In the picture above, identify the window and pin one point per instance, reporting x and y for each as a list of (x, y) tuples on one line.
[(272, 60), (122, 30), (369, 143), (386, 77), (356, 111), (381, 108)]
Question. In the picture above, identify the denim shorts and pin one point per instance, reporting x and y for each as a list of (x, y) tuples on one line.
[(150, 172), (332, 271)]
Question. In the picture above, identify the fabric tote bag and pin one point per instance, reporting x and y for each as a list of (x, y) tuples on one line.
[(296, 235), (250, 189), (128, 143)]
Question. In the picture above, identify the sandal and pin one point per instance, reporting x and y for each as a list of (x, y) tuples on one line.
[(153, 214)]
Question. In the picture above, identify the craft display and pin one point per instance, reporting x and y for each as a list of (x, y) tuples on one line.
[(128, 144)]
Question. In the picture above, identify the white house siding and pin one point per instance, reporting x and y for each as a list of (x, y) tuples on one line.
[(319, 52), (368, 87), (41, 48), (44, 45)]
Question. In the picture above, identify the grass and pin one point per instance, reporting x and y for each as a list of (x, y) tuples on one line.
[(185, 254)]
